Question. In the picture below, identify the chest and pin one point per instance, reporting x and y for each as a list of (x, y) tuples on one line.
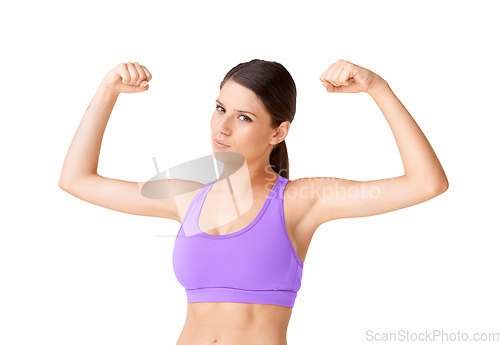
[(224, 213)]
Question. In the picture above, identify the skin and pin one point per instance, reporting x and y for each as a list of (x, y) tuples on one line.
[(308, 202)]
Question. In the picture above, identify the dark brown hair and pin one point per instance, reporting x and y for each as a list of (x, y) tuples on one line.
[(275, 88)]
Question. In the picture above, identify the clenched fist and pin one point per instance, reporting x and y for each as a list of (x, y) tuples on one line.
[(344, 76), (127, 78)]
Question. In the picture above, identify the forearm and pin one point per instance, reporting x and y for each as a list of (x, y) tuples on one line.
[(419, 159), (83, 154)]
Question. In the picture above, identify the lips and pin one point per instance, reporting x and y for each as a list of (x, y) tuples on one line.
[(220, 142)]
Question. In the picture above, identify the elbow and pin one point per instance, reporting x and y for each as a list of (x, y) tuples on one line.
[(63, 184), (66, 182), (444, 185), (432, 189), (440, 188)]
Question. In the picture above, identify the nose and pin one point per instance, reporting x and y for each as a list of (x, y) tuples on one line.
[(223, 125)]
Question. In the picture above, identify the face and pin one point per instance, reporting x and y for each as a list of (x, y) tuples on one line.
[(241, 121)]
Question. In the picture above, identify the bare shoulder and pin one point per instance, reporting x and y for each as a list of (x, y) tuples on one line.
[(299, 222), (297, 201)]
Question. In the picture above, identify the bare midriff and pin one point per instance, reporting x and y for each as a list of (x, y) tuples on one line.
[(222, 323)]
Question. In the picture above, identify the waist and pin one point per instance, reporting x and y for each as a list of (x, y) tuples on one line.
[(231, 323)]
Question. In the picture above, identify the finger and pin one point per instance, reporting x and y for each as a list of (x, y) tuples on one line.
[(148, 74), (330, 76), (345, 77), (330, 88), (322, 77), (140, 71), (123, 72), (336, 74), (133, 73)]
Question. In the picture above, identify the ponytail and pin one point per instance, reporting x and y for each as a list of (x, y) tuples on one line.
[(279, 159)]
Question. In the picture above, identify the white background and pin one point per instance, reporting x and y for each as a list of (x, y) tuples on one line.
[(76, 273)]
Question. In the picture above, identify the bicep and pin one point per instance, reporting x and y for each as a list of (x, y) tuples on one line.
[(152, 199), (338, 198)]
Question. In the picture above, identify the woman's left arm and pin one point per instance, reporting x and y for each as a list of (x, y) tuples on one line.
[(420, 162), (421, 165), (424, 178)]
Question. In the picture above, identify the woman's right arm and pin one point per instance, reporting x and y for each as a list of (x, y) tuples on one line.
[(79, 175)]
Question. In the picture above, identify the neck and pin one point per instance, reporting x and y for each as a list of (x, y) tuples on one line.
[(248, 177)]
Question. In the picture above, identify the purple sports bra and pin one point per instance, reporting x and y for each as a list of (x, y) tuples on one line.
[(257, 264)]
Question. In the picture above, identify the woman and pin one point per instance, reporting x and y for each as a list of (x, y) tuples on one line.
[(240, 258)]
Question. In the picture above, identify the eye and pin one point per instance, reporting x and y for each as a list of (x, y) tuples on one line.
[(246, 118)]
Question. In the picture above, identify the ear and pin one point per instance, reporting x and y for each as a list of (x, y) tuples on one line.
[(280, 133)]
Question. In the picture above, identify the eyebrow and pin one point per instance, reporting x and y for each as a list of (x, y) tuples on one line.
[(241, 111)]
